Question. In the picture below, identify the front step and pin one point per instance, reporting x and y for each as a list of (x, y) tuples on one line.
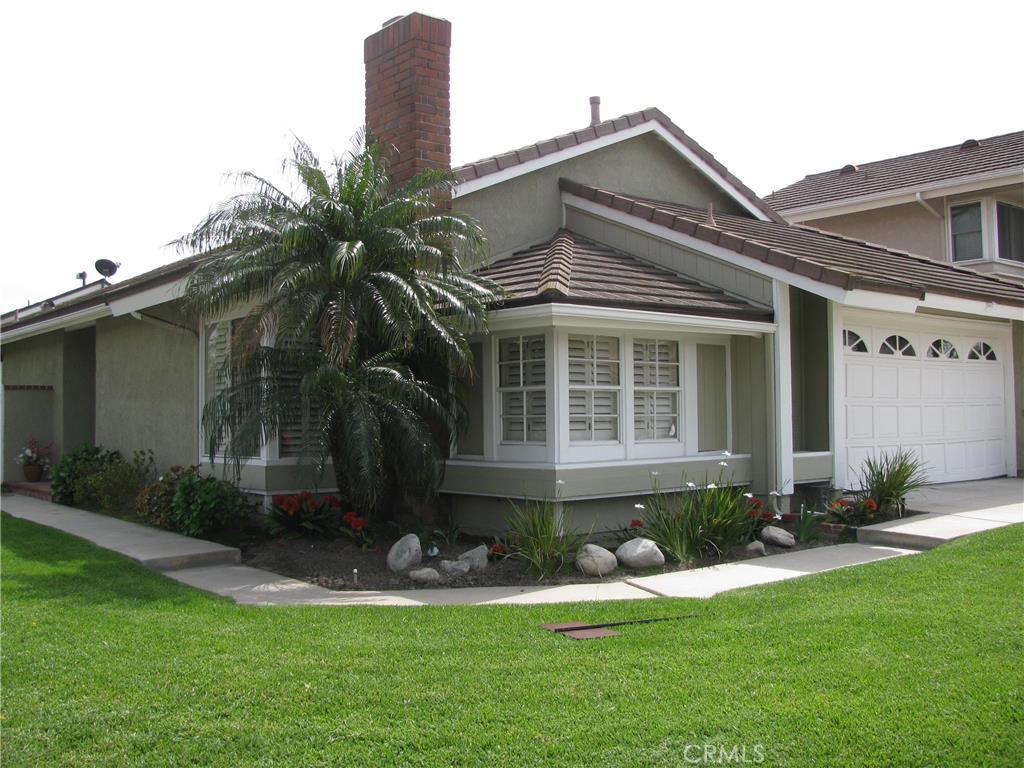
[(39, 490)]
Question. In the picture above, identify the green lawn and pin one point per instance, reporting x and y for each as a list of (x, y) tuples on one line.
[(918, 661)]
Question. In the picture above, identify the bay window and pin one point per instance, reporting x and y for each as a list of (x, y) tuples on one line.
[(1010, 226), (965, 226)]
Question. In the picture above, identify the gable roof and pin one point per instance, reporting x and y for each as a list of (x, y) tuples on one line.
[(553, 150), (992, 155), (821, 256), (570, 269)]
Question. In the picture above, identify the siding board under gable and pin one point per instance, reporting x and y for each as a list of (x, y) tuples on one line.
[(729, 278)]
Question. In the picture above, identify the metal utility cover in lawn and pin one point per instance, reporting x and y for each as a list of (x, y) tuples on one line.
[(589, 634)]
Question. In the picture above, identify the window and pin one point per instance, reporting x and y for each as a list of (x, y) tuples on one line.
[(594, 386), (942, 349), (655, 390), (965, 225), (521, 379), (853, 342), (981, 351), (220, 352), (1010, 224), (897, 345)]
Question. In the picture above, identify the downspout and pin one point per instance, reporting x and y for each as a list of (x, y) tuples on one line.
[(927, 206)]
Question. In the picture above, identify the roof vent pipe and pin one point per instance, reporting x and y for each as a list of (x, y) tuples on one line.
[(595, 110)]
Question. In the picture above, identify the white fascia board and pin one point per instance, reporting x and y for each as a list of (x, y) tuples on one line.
[(585, 316), (944, 188), (150, 297), (82, 317), (651, 126), (971, 307)]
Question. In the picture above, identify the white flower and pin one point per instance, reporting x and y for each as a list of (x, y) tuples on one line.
[(639, 506), (654, 474), (723, 463), (691, 485), (774, 493), (748, 495), (727, 454), (559, 482), (712, 486)]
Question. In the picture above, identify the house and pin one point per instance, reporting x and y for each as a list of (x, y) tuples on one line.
[(660, 315), (962, 204)]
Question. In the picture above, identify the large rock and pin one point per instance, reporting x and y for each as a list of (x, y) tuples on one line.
[(477, 558), (755, 548), (405, 553), (595, 561), (779, 537), (425, 576), (455, 567), (640, 553)]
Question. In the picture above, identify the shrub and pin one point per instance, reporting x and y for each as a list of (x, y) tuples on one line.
[(705, 521), (535, 536), (204, 504), (73, 478), (857, 511), (809, 525), (118, 484), (156, 502), (889, 478)]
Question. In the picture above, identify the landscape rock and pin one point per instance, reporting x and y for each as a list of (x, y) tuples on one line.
[(755, 548), (780, 537), (595, 561), (405, 553), (640, 553), (477, 558), (425, 576), (455, 567)]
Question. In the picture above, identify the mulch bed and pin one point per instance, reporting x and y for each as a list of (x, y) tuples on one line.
[(329, 563)]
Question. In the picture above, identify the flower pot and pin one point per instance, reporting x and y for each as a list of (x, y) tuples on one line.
[(33, 472)]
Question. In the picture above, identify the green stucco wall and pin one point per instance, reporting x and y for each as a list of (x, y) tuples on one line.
[(146, 389), (753, 411), (471, 441), (37, 362), (79, 388), (712, 394), (527, 209), (810, 367)]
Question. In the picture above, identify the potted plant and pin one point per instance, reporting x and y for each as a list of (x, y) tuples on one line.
[(34, 460)]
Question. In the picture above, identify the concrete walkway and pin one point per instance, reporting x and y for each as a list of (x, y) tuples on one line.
[(151, 547), (960, 509), (950, 511)]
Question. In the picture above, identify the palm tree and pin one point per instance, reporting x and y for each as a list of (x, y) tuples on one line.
[(357, 306)]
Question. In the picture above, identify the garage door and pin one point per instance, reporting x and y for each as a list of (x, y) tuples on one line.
[(928, 389)]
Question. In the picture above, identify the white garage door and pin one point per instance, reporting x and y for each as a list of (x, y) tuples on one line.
[(928, 389)]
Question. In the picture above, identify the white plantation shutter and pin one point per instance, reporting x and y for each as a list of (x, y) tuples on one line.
[(521, 386), (594, 382), (290, 438), (217, 341), (655, 389)]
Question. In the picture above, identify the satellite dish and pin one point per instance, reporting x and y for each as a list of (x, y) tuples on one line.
[(106, 267), (48, 304)]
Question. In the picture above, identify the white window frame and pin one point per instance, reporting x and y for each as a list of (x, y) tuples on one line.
[(618, 389), (520, 452), (676, 390), (984, 213), (989, 228)]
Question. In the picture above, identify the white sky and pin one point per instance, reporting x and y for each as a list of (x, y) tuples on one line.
[(120, 120)]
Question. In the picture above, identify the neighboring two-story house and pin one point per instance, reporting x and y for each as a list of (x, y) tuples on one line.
[(962, 204)]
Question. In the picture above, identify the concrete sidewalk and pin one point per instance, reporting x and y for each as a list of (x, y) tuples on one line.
[(214, 568)]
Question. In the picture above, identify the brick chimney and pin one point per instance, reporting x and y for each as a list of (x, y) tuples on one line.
[(407, 92)]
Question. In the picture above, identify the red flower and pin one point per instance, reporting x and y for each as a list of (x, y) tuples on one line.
[(278, 500), (843, 503), (359, 523), (334, 501), (499, 549), (636, 523), (870, 504), (291, 505), (348, 517), (756, 503), (766, 515)]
